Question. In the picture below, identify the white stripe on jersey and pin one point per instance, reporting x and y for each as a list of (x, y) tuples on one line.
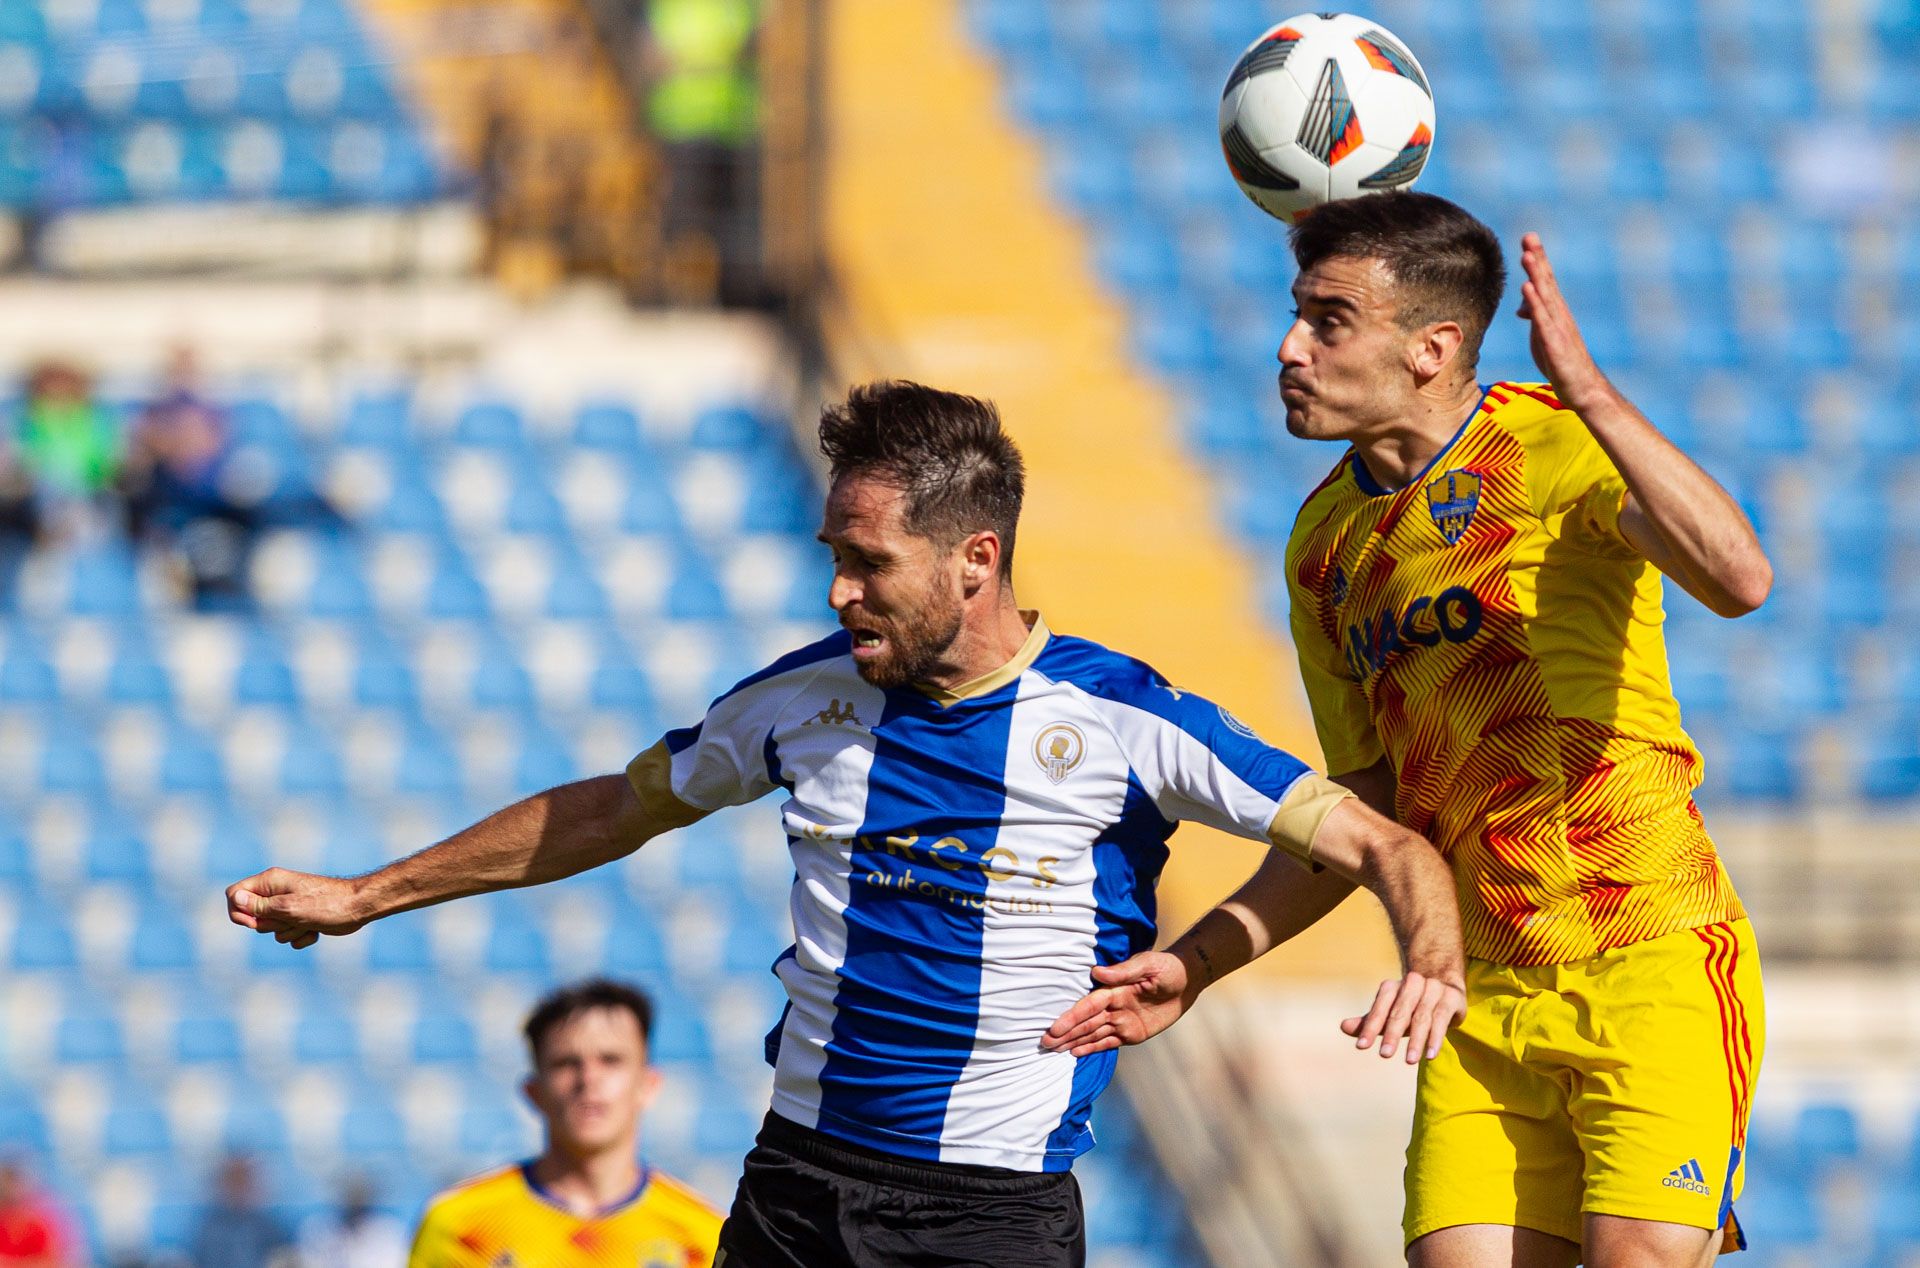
[(1033, 967)]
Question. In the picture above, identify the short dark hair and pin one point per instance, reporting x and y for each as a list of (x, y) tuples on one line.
[(959, 468), (568, 1002), (1446, 265)]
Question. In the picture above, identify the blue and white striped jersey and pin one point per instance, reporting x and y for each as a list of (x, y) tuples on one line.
[(962, 859)]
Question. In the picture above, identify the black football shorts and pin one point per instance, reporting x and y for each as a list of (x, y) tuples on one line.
[(808, 1200)]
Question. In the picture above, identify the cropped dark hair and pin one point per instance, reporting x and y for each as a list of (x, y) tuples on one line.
[(961, 472), (1445, 265), (568, 1002)]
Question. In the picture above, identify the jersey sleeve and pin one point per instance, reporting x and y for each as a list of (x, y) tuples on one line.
[(436, 1244), (1341, 716), (721, 761), (1198, 762), (1575, 489)]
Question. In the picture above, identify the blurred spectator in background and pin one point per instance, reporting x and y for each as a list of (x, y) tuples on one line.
[(704, 107), (357, 1235), (33, 1232), (19, 516), (176, 481), (236, 1230), (70, 449)]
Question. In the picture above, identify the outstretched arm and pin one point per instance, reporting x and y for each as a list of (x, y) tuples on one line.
[(1676, 515), (548, 836), (1148, 992)]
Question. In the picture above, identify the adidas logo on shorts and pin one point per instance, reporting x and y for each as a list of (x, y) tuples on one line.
[(1689, 1177)]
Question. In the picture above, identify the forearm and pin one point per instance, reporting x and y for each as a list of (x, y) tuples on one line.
[(1704, 539), (550, 835), (1279, 901), (1415, 885)]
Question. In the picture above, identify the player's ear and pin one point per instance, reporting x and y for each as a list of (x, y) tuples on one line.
[(979, 557), (530, 1088), (650, 1084), (1434, 348)]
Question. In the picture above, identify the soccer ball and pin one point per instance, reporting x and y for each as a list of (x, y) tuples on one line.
[(1324, 107)]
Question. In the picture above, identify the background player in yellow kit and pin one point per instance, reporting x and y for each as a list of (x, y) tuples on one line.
[(586, 1201), (1476, 602)]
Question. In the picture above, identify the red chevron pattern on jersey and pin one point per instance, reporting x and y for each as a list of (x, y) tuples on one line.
[(1419, 616)]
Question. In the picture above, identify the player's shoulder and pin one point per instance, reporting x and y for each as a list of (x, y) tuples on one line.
[(1098, 670), (480, 1192), (1532, 414), (679, 1201)]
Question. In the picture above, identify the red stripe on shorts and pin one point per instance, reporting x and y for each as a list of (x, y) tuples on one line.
[(1718, 952)]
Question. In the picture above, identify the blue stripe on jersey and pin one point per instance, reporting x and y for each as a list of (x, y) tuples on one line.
[(1127, 859), (1109, 675), (838, 643), (908, 1002)]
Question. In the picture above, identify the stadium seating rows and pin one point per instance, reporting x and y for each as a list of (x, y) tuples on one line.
[(106, 102), (514, 598)]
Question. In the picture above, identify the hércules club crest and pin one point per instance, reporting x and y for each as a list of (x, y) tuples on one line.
[(1452, 498)]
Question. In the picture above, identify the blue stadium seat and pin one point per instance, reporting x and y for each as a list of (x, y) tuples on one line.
[(71, 764), (206, 1034), (115, 852), (607, 425), (89, 1034), (543, 763), (575, 593), (735, 428), (325, 1034), (441, 1036), (138, 678), (515, 943), (1826, 1133), (162, 941), (490, 424), (371, 1130), (191, 764), (136, 1126), (41, 940), (26, 676), (399, 946)]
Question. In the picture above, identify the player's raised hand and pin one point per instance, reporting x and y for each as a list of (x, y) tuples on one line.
[(1136, 999), (295, 907), (1558, 347), (1416, 1008)]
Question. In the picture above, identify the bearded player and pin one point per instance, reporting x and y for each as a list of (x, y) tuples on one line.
[(1476, 603), (977, 811), (587, 1201)]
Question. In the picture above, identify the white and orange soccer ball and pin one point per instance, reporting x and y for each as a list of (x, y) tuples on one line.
[(1324, 107)]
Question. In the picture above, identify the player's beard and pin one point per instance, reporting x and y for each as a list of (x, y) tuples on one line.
[(915, 644)]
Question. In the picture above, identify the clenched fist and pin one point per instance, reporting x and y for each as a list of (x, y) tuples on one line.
[(296, 907)]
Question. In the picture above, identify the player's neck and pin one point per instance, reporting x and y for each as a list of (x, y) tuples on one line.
[(589, 1184), (988, 639), (1399, 452)]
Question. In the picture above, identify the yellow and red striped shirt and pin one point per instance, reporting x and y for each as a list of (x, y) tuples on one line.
[(1488, 631)]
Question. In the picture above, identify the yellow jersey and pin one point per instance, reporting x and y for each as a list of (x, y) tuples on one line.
[(1488, 631), (503, 1219)]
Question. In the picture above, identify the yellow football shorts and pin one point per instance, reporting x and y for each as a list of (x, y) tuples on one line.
[(1617, 1086)]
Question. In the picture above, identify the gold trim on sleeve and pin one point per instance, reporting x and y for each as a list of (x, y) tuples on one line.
[(1302, 811), (651, 775)]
